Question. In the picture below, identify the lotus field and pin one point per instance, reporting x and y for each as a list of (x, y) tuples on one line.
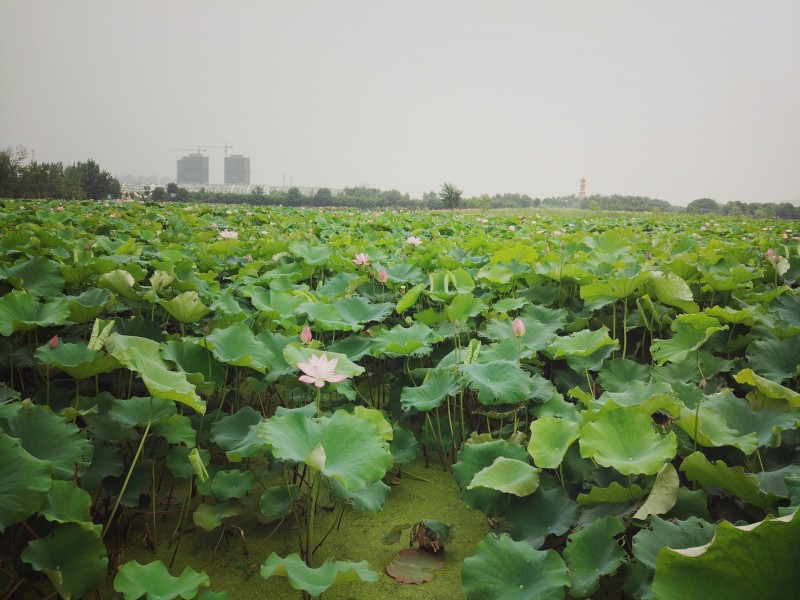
[(215, 402)]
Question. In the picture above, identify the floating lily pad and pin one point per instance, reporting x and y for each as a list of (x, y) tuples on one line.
[(414, 566)]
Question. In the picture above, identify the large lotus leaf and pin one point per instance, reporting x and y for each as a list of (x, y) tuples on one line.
[(404, 446), (507, 475), (431, 393), (210, 516), (24, 482), (403, 341), (371, 498), (537, 335), (769, 388), (495, 276), (503, 568), (106, 462), (581, 344), (777, 482), (545, 512), (613, 494), (186, 307), (20, 311), (498, 382), (236, 345), (143, 357), (88, 305), (38, 276), (625, 440), (153, 580), (620, 373), (599, 293), (475, 457), (120, 282), (276, 501), (593, 552), (192, 357), (77, 360), (138, 411), (316, 581), (413, 565), (550, 439), (229, 431), (66, 502), (409, 299), (670, 534), (664, 494), (757, 561), (295, 353), (671, 290), (776, 360), (733, 479), (354, 451), (710, 429), (72, 557), (463, 306), (178, 461), (726, 314), (691, 332), (377, 418), (355, 309), (231, 484), (313, 255), (637, 393), (47, 437), (326, 318)]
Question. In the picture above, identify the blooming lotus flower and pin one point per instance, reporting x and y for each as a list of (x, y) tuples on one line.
[(319, 370), (518, 327), (383, 276), (512, 228), (226, 234), (413, 240), (361, 259), (305, 335)]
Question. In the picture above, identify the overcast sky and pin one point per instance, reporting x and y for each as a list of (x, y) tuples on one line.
[(674, 100)]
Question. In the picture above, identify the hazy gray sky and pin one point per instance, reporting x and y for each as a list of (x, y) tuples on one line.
[(675, 100)]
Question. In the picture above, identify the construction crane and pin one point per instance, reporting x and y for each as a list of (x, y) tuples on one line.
[(200, 149)]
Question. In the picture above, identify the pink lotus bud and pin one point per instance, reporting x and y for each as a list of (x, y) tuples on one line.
[(383, 276), (703, 383), (769, 253), (305, 335), (518, 327), (53, 342)]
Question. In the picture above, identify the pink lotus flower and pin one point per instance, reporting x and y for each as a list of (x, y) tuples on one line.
[(512, 228), (319, 370), (361, 259), (226, 234), (305, 335), (518, 327), (413, 240), (383, 276), (770, 253)]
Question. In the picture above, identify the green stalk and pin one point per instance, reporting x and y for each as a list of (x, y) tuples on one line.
[(310, 528)]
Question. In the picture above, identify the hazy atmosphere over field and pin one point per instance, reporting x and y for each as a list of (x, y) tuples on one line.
[(673, 100)]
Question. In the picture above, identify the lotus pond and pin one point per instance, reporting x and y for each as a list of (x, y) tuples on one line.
[(231, 402)]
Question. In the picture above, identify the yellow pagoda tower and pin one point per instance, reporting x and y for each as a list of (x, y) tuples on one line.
[(582, 193)]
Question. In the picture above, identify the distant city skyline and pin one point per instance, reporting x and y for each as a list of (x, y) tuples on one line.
[(675, 101)]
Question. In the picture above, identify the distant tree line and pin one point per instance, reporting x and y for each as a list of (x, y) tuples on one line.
[(82, 180), (758, 210)]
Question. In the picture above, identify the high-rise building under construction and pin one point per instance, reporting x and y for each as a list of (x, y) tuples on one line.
[(193, 168), (237, 169)]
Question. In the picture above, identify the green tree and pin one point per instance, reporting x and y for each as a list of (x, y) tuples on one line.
[(159, 194), (294, 197), (323, 197), (450, 196), (703, 206), (11, 160), (96, 184)]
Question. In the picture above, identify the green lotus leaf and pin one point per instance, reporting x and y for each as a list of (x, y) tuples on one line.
[(593, 552), (120, 282), (472, 458), (177, 461), (210, 516), (230, 430), (355, 347), (377, 418), (503, 568), (276, 501), (66, 502), (316, 581), (431, 393), (77, 360), (357, 310), (671, 290), (691, 332), (726, 314), (72, 557), (757, 561), (403, 341), (581, 344), (153, 580), (24, 482), (274, 304), (777, 481), (599, 293), (545, 512), (38, 276), (498, 382), (620, 373), (463, 306), (295, 353), (209, 595), (186, 307), (312, 255), (537, 337), (507, 305), (769, 388), (47, 437), (231, 484), (201, 367), (507, 475), (106, 462), (673, 534), (371, 498), (664, 494), (355, 452), (325, 317), (495, 276), (404, 446), (776, 360), (236, 345), (625, 440), (711, 429), (550, 439), (143, 356), (613, 494), (733, 479), (20, 312), (138, 411), (636, 394), (409, 299), (88, 305)]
